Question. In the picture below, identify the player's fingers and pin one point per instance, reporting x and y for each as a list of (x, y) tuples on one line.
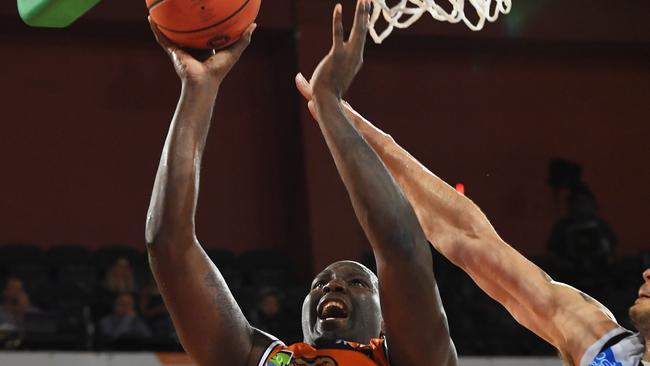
[(303, 86), (239, 46), (360, 26), (162, 40), (337, 26), (232, 53), (174, 52)]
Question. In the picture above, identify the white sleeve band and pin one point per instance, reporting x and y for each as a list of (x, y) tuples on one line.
[(594, 349), (268, 351)]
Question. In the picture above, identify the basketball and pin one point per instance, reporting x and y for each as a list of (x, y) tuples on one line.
[(203, 24)]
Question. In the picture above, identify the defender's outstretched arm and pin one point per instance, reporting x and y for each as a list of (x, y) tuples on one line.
[(415, 322), (565, 317), (206, 316)]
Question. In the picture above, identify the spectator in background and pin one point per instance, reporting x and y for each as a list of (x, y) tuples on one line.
[(582, 242), (154, 312), (123, 323), (15, 305), (271, 316), (119, 277)]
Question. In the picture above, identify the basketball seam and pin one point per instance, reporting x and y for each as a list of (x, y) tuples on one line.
[(153, 5), (209, 26)]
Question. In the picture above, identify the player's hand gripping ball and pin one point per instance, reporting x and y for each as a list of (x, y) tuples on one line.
[(203, 24)]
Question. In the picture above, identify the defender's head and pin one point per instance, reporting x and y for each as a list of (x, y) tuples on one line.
[(640, 311), (343, 304)]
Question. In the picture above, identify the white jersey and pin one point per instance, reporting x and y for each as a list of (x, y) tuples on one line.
[(619, 347)]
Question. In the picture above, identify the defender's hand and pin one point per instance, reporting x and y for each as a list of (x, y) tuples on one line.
[(336, 71), (371, 133), (210, 72)]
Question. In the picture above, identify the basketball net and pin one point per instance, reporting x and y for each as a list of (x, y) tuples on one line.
[(407, 12)]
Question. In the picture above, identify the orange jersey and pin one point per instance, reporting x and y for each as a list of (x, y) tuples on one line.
[(339, 353)]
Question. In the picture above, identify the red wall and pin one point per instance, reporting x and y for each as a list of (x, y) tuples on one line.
[(85, 120), (85, 112), (491, 112)]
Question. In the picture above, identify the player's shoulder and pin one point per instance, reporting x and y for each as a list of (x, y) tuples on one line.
[(619, 347)]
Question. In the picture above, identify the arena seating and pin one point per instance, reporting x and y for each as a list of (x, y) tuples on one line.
[(65, 283)]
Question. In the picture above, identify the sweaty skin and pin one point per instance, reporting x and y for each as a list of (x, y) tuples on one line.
[(415, 324), (206, 316), (562, 315), (208, 320)]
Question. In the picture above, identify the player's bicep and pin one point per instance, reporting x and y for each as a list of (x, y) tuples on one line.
[(205, 314), (579, 320), (262, 347), (515, 282), (556, 312)]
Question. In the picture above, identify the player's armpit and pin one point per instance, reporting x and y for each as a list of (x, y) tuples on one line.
[(205, 314), (581, 319)]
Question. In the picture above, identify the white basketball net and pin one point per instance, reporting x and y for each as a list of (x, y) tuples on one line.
[(406, 12)]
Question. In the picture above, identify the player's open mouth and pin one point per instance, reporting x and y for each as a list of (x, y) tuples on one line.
[(332, 309)]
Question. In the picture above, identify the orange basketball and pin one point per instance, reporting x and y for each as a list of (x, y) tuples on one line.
[(203, 24)]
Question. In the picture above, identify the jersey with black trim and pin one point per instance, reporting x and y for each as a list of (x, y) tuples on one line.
[(336, 353), (619, 347)]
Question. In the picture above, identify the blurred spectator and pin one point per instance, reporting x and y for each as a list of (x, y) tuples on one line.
[(154, 312), (123, 322), (15, 305), (271, 316), (582, 241), (119, 277)]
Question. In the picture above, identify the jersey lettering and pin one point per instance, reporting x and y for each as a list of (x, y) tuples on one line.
[(605, 358)]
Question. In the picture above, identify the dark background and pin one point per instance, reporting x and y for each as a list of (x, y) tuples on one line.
[(85, 111)]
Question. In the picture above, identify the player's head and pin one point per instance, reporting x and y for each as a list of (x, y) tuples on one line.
[(640, 311), (343, 303)]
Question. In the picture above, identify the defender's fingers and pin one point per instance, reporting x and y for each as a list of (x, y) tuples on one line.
[(360, 26), (312, 110), (303, 86), (337, 26)]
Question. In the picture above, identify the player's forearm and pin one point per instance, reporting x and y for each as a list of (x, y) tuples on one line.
[(382, 210), (407, 286), (458, 229), (173, 201), (445, 215)]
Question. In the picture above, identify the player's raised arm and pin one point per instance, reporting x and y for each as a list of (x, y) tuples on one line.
[(565, 317), (207, 318), (415, 322)]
